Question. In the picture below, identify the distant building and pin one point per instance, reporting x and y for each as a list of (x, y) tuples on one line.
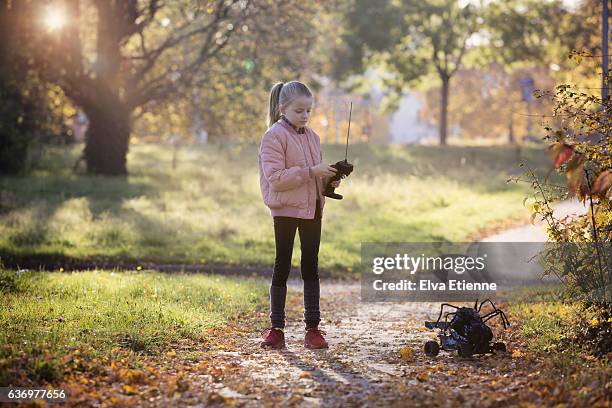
[(405, 126), (373, 125)]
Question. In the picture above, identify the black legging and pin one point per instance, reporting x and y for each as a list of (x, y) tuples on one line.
[(284, 236)]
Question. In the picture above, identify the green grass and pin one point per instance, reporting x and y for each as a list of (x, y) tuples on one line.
[(209, 209), (551, 318), (546, 324), (561, 335), (46, 315)]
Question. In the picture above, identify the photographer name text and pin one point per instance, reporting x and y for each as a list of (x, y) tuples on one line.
[(428, 285)]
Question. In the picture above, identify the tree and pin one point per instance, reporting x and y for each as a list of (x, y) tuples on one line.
[(487, 102), (422, 38), (428, 41), (235, 103), (25, 111), (229, 96), (113, 57)]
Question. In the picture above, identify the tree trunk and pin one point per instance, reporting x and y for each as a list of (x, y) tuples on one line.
[(106, 140), (444, 110), (108, 134)]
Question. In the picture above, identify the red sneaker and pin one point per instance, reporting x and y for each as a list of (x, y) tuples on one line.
[(273, 337), (313, 339)]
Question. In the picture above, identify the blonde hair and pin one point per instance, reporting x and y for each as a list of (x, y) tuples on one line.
[(282, 95)]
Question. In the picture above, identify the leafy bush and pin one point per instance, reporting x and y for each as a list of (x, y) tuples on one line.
[(580, 249)]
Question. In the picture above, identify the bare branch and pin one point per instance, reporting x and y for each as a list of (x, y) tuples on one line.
[(161, 86), (459, 58)]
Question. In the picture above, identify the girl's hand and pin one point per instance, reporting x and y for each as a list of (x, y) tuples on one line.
[(335, 183), (323, 170)]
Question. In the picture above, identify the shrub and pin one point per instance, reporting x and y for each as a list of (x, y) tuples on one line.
[(579, 252)]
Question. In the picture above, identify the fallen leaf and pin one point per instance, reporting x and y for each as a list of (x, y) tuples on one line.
[(129, 389), (406, 353)]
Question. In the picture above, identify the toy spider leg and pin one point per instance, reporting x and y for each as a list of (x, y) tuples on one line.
[(483, 303), (445, 324), (494, 313), (442, 309)]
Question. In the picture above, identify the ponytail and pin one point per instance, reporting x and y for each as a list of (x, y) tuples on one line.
[(274, 110)]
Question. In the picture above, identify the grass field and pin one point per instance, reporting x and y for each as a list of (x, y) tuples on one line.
[(46, 316), (209, 209)]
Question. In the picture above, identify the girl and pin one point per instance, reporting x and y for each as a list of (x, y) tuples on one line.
[(292, 178)]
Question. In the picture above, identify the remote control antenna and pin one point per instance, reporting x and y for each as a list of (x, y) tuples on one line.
[(348, 132)]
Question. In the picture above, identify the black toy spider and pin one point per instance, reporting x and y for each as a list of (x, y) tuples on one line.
[(466, 332)]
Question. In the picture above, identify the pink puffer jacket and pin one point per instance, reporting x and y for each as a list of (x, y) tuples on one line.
[(284, 158)]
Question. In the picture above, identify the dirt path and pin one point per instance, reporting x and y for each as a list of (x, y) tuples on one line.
[(363, 355), (536, 232)]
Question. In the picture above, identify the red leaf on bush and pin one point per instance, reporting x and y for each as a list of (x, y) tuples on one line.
[(560, 153), (575, 176), (603, 182)]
